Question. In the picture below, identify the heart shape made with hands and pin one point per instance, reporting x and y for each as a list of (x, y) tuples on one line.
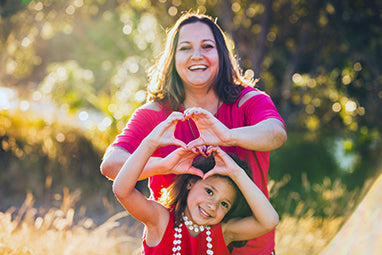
[(197, 145), (211, 131)]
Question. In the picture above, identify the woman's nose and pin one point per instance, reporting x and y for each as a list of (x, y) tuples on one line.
[(196, 54)]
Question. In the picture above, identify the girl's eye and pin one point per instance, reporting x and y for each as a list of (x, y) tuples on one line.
[(209, 191), (225, 204)]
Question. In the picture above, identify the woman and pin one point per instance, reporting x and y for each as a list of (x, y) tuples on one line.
[(196, 71)]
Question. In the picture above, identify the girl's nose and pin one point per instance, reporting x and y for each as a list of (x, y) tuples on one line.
[(212, 205)]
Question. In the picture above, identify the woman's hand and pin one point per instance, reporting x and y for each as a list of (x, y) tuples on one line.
[(211, 130), (163, 133)]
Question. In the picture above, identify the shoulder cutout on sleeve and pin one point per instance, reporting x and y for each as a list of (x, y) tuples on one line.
[(151, 106), (248, 96)]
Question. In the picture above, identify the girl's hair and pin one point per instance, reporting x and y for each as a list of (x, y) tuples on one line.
[(175, 196), (165, 85)]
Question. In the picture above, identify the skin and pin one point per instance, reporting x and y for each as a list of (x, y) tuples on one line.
[(210, 200), (196, 47), (156, 217), (196, 57)]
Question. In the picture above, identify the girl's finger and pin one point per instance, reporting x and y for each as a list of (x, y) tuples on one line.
[(195, 171), (208, 174)]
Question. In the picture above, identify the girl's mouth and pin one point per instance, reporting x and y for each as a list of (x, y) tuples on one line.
[(204, 213)]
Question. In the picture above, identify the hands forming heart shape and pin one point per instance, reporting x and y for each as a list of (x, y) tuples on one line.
[(212, 133)]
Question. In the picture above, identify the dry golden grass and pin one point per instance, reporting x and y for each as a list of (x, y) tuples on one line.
[(26, 232), (305, 235)]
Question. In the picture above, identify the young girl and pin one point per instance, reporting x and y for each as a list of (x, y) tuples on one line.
[(192, 225)]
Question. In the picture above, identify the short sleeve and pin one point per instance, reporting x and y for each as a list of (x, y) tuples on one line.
[(137, 128), (259, 108)]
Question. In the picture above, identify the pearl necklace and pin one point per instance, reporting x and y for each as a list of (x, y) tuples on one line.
[(191, 226)]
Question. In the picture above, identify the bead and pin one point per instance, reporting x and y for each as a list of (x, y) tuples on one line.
[(191, 226)]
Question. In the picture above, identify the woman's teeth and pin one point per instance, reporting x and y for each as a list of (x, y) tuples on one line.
[(197, 67)]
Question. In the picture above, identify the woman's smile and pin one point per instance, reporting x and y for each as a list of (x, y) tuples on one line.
[(196, 57)]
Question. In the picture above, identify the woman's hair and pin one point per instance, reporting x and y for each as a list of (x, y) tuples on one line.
[(165, 85), (175, 196)]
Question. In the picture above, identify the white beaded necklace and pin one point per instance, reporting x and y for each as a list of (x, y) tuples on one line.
[(191, 226)]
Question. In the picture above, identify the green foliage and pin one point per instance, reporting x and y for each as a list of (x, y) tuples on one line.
[(316, 176), (43, 158), (319, 61)]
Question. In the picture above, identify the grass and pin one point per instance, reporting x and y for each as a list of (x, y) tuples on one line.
[(30, 231), (63, 231)]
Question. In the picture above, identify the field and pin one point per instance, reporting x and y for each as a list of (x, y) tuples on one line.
[(62, 231)]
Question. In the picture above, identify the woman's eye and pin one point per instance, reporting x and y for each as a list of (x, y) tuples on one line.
[(209, 192), (207, 46), (184, 48)]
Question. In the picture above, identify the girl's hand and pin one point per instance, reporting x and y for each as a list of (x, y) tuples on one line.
[(224, 164), (163, 133), (180, 162), (211, 130)]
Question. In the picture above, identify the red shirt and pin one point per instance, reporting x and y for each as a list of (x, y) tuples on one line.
[(189, 245), (256, 109)]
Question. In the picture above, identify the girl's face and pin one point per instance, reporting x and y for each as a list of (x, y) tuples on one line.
[(196, 56), (210, 200)]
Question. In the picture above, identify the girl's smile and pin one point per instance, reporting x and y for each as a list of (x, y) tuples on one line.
[(210, 200)]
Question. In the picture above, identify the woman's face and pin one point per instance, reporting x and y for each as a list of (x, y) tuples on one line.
[(196, 56), (210, 200)]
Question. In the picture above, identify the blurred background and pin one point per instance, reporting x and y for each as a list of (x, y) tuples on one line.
[(72, 72)]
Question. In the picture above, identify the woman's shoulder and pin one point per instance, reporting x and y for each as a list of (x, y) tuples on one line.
[(151, 112), (249, 93), (154, 106)]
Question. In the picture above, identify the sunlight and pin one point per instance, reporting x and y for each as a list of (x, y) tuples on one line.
[(7, 98)]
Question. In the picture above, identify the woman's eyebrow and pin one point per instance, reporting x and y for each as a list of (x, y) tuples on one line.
[(204, 40)]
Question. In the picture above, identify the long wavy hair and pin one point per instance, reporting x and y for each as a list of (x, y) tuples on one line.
[(165, 85), (175, 196)]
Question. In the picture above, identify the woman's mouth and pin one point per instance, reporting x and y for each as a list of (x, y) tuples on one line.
[(197, 68)]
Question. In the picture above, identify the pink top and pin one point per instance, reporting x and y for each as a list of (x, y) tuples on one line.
[(256, 109), (189, 245)]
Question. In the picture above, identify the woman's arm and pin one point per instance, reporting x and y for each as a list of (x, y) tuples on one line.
[(266, 135), (178, 162), (265, 217), (116, 156)]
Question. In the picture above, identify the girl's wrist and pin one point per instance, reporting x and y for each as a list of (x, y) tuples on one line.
[(150, 144), (237, 174)]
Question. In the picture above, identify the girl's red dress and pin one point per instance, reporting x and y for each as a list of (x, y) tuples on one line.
[(190, 245)]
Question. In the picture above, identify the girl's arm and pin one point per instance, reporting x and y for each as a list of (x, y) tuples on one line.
[(266, 135), (264, 218), (149, 212)]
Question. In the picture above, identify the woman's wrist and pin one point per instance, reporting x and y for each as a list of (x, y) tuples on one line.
[(230, 139)]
